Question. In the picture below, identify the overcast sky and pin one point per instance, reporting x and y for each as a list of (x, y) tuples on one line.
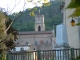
[(21, 5)]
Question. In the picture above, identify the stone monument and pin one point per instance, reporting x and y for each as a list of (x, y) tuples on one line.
[(61, 42)]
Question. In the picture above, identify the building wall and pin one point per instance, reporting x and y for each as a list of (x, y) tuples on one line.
[(73, 32), (37, 41)]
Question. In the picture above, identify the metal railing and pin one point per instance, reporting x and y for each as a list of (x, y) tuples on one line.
[(60, 54)]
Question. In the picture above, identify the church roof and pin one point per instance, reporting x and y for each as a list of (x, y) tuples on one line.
[(35, 32)]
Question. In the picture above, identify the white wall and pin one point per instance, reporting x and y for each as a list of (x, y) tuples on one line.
[(73, 32)]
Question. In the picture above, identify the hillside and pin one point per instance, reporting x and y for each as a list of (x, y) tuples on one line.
[(52, 17)]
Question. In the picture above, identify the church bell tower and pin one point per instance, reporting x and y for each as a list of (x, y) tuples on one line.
[(39, 23)]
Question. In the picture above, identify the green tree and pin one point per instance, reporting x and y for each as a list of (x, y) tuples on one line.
[(7, 35)]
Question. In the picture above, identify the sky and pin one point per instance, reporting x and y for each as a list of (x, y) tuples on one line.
[(17, 5)]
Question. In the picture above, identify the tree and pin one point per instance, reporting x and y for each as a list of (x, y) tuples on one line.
[(7, 35), (38, 5)]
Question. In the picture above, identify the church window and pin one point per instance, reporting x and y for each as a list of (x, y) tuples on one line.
[(39, 28), (26, 43), (36, 43), (21, 49), (41, 41), (46, 42)]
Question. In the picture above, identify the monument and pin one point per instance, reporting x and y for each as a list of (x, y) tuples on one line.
[(61, 42)]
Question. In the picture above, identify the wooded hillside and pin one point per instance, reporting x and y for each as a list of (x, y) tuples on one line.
[(52, 16)]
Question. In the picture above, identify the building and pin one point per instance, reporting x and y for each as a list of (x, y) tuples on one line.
[(38, 39), (73, 32)]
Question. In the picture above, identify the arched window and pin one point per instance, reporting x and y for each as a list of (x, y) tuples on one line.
[(46, 42), (26, 43), (21, 49), (36, 42), (39, 28), (41, 41)]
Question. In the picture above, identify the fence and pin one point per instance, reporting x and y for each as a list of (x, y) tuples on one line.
[(62, 54)]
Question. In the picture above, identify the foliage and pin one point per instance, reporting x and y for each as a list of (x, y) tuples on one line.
[(75, 4), (38, 3), (77, 58), (32, 11), (6, 36)]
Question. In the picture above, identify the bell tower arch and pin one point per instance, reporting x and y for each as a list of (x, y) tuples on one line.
[(39, 23)]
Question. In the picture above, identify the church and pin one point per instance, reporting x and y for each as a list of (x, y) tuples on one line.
[(38, 39)]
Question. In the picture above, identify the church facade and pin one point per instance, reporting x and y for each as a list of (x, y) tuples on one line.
[(38, 39)]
